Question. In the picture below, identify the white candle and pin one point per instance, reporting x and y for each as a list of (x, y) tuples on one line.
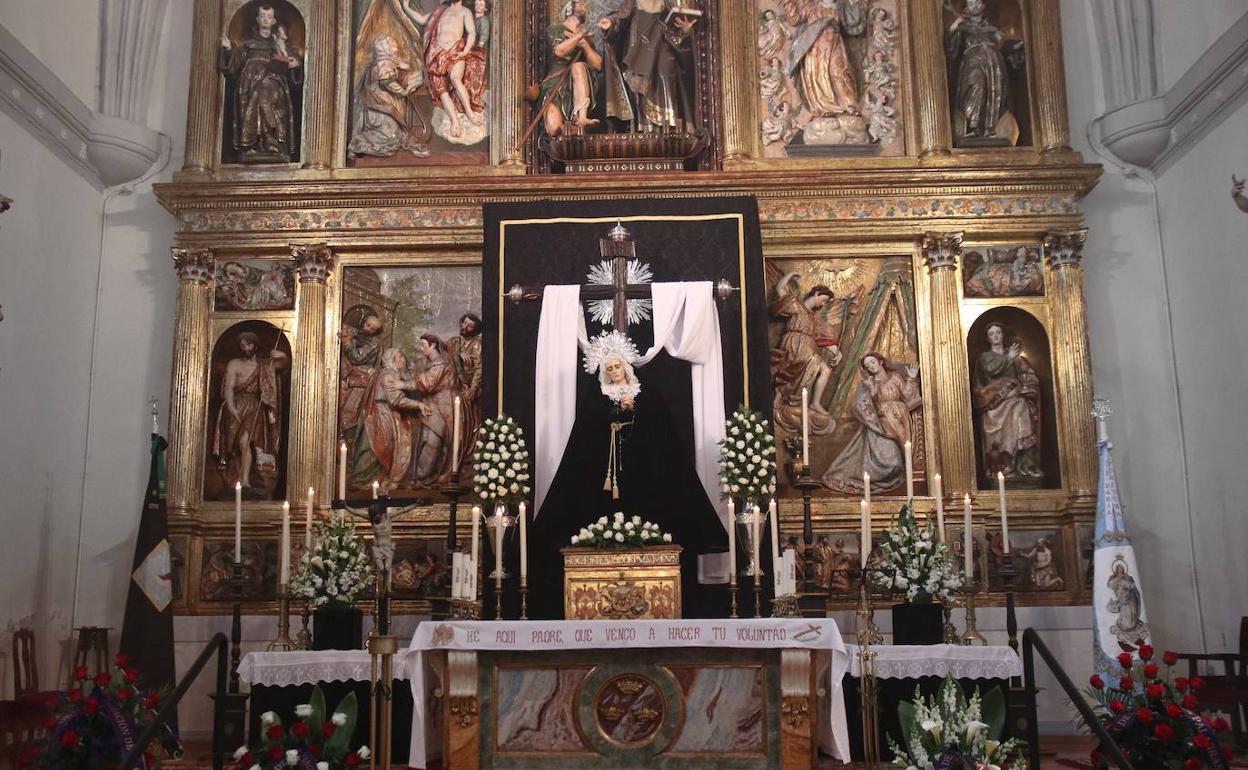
[(805, 427), (376, 488), (756, 524), (238, 522), (967, 543), (455, 438), (498, 542), (866, 487), (1005, 520), (283, 574), (307, 524), (342, 471), (524, 544), (775, 532), (909, 471), (938, 493), (732, 542), (864, 508)]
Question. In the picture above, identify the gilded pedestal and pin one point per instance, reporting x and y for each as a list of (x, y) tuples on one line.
[(624, 583)]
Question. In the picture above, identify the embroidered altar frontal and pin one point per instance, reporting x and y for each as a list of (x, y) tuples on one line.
[(621, 584)]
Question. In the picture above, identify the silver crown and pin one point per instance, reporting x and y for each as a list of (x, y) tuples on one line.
[(619, 233)]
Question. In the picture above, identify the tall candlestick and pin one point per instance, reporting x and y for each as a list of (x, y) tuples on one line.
[(909, 471), (866, 488), (968, 544), (498, 542), (307, 520), (455, 437), (342, 471), (283, 573), (865, 538), (376, 488), (1005, 519), (940, 507), (732, 542), (756, 526), (524, 543), (775, 532), (476, 551), (238, 522), (805, 427)]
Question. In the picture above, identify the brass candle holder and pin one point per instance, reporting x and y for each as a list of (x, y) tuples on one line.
[(733, 588), (758, 591), (950, 631), (971, 635), (303, 639), (868, 685), (283, 642), (524, 597)]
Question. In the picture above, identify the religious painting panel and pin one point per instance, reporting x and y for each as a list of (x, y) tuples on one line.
[(260, 564), (262, 56), (979, 550), (829, 78), (844, 330), (420, 569), (837, 556), (1038, 557), (986, 67), (420, 74), (1012, 401), (624, 85), (248, 412), (254, 285), (409, 344), (990, 272)]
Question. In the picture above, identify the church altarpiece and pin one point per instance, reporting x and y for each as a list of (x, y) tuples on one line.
[(923, 241)]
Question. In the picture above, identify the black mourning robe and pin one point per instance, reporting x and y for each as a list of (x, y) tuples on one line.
[(657, 480)]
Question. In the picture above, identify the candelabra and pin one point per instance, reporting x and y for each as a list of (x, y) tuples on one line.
[(807, 485), (282, 643), (381, 650), (453, 490), (733, 588), (524, 597), (950, 635), (868, 635), (971, 634), (758, 591)]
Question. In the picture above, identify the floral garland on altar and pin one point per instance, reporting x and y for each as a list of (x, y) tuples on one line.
[(500, 462), (336, 571), (620, 532), (914, 563), (747, 456), (318, 739)]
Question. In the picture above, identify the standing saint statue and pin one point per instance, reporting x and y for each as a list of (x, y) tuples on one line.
[(649, 80), (456, 69), (820, 69), (249, 426), (981, 83), (1006, 392), (465, 354), (261, 73), (568, 92)]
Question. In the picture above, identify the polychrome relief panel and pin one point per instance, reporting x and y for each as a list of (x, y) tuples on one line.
[(1002, 271), (254, 285), (828, 78)]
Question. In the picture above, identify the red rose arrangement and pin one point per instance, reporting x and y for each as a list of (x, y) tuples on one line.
[(97, 721), (317, 739), (1154, 716)]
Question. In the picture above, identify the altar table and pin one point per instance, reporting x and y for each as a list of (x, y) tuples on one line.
[(742, 694)]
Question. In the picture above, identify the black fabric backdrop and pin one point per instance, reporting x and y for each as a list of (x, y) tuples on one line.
[(550, 247)]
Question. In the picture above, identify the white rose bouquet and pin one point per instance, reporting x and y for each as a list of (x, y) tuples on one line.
[(952, 726), (913, 563), (500, 462), (747, 456), (337, 570), (620, 532)]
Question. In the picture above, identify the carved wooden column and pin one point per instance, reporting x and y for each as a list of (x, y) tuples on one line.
[(1049, 76), (1074, 363), (942, 252), (308, 397), (321, 64), (931, 93), (201, 95), (737, 92), (188, 400), (508, 81)]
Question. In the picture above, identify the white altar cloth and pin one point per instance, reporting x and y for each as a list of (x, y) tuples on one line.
[(911, 661), (294, 667), (561, 635)]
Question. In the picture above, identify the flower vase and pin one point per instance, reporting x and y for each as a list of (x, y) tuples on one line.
[(745, 538), (337, 627), (918, 623)]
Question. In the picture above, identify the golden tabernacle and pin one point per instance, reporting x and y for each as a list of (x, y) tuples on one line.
[(621, 584)]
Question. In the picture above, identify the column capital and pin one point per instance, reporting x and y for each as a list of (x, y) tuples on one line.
[(313, 261), (193, 265), (941, 251), (1064, 248)]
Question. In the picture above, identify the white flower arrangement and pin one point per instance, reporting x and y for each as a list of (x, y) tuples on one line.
[(500, 462), (953, 724), (913, 563), (620, 532), (747, 456), (337, 570)]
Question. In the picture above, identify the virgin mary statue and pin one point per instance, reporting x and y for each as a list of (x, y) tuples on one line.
[(623, 455)]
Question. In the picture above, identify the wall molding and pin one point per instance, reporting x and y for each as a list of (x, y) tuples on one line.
[(104, 150), (1154, 133)]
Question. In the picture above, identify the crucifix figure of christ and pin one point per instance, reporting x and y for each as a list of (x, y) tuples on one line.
[(380, 514)]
